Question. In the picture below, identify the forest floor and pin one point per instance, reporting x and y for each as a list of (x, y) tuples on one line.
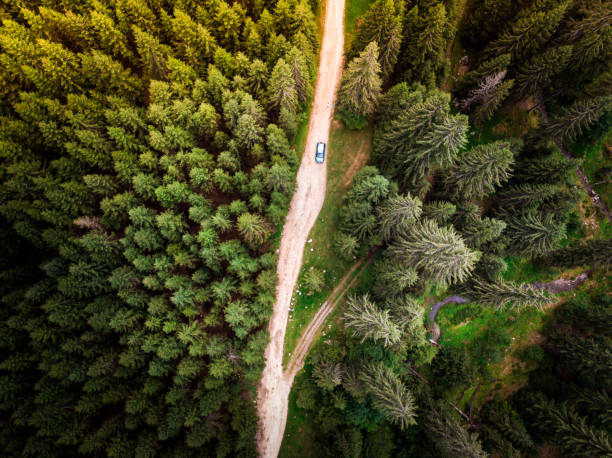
[(273, 390)]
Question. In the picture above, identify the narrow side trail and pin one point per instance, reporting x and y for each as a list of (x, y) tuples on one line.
[(273, 390)]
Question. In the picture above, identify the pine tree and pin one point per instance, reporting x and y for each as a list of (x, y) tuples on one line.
[(369, 322), (478, 171), (484, 70), (538, 72), (361, 84), (504, 294), (439, 211), (532, 28), (282, 89), (253, 228), (450, 437), (577, 118), (438, 251), (571, 431), (381, 24), (532, 233), (397, 213), (314, 280), (492, 102), (482, 92), (478, 231), (390, 395), (328, 375), (346, 245), (525, 195), (300, 73), (392, 278), (590, 253), (548, 170)]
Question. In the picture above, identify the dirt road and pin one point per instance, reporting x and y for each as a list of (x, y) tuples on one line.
[(273, 390)]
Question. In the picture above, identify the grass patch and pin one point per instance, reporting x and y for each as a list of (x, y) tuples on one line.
[(348, 151), (353, 9), (300, 437)]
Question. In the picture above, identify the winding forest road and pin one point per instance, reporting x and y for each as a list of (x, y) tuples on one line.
[(273, 390)]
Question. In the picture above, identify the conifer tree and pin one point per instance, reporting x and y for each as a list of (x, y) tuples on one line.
[(390, 395), (478, 171), (571, 431), (450, 437), (492, 101), (369, 322), (532, 28), (392, 278), (439, 211), (533, 233), (397, 213), (382, 24), (253, 227), (282, 89), (438, 251), (525, 195), (540, 70), (578, 117), (504, 294), (426, 134), (361, 84), (590, 253), (328, 375)]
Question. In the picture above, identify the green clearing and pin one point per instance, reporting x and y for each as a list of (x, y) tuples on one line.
[(348, 151), (353, 9), (300, 436)]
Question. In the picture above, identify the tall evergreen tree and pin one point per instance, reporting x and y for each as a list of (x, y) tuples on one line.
[(438, 251), (361, 84), (508, 294), (578, 117), (382, 23), (478, 171), (450, 437), (590, 253), (532, 28), (533, 233), (369, 322), (397, 213), (390, 394), (539, 71)]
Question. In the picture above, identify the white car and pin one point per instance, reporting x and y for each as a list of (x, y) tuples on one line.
[(320, 154)]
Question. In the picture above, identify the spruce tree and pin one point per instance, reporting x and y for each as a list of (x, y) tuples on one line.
[(478, 171), (438, 251), (539, 71), (532, 28), (450, 437), (571, 431), (439, 211), (506, 294), (578, 117), (390, 395), (426, 134), (381, 23), (589, 253), (282, 89), (492, 101), (397, 213), (361, 84), (534, 233), (369, 322)]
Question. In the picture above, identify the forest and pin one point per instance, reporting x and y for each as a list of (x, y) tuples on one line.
[(146, 165), (148, 159), (443, 208)]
